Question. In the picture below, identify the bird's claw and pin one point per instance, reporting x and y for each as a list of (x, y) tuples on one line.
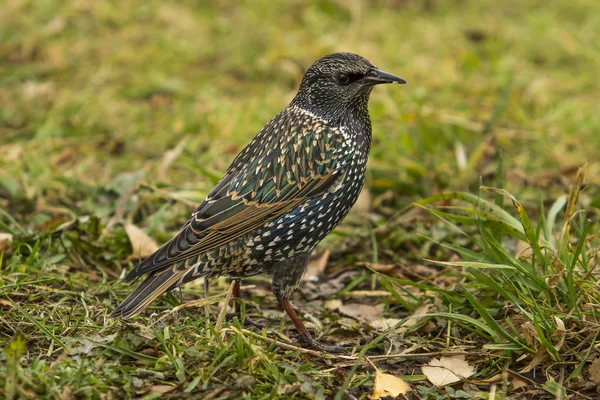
[(313, 344)]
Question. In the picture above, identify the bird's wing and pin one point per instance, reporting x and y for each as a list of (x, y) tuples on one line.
[(286, 164)]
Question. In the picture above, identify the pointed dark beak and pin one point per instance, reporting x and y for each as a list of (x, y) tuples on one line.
[(376, 77)]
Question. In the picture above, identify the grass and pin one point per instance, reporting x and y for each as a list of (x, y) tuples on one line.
[(478, 202)]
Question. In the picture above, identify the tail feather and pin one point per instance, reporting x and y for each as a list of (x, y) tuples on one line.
[(155, 284)]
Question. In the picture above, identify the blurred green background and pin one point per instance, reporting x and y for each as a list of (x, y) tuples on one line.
[(92, 89)]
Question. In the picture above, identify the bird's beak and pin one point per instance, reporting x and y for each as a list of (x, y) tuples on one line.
[(377, 76)]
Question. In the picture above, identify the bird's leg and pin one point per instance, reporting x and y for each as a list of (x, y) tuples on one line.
[(236, 290), (236, 308), (286, 276), (306, 336), (206, 296)]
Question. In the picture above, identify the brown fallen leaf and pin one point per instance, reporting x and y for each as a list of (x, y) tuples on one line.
[(378, 267), (161, 388), (539, 357), (528, 331), (595, 371), (362, 312), (333, 305), (417, 315), (518, 383), (492, 379), (561, 332), (382, 324), (387, 385), (447, 370), (141, 244)]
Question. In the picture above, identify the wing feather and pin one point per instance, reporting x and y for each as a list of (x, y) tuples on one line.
[(277, 172)]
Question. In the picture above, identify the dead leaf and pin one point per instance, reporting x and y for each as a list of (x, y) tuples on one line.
[(5, 241), (492, 379), (388, 385), (417, 315), (333, 305), (529, 333), (161, 388), (141, 244), (447, 370), (560, 330), (539, 357), (595, 371), (362, 312), (518, 383), (387, 323), (383, 324), (378, 267)]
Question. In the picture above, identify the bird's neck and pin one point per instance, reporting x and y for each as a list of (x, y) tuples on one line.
[(356, 122)]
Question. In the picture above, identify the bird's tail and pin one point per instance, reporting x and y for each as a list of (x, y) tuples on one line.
[(155, 284)]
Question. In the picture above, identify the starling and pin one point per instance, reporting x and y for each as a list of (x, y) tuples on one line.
[(291, 185)]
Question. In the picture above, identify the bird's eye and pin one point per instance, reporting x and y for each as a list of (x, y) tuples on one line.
[(342, 78)]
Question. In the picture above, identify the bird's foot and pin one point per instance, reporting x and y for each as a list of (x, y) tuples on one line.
[(258, 323), (313, 344)]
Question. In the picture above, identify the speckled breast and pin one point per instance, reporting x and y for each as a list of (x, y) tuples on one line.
[(304, 227)]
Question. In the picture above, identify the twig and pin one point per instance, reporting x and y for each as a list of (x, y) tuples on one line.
[(371, 362), (492, 394), (223, 312)]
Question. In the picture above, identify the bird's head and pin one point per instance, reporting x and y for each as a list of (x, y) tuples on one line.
[(340, 82)]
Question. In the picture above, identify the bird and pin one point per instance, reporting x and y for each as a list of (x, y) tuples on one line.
[(282, 194)]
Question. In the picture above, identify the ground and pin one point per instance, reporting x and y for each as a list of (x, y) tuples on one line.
[(116, 119)]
